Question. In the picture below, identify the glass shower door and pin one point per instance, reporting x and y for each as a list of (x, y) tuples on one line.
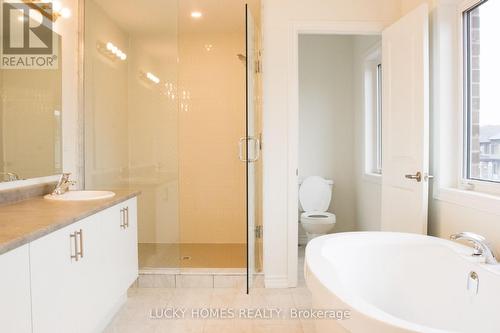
[(252, 147)]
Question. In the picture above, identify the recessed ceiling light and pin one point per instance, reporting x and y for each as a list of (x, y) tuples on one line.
[(196, 14)]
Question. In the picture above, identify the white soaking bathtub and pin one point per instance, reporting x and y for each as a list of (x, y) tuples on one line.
[(396, 282)]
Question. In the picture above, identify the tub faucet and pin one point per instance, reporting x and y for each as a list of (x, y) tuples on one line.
[(480, 244), (63, 184)]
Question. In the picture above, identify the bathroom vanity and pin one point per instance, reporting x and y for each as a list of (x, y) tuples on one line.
[(65, 266)]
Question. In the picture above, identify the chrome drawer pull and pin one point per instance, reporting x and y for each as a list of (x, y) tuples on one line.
[(73, 237), (123, 225), (126, 217), (80, 233), (77, 245)]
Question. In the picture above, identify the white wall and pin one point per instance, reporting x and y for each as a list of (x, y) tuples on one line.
[(326, 119), (278, 17)]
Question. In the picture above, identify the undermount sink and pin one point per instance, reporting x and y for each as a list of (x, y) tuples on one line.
[(81, 196)]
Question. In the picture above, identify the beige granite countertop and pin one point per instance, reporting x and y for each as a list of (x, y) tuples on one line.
[(26, 221)]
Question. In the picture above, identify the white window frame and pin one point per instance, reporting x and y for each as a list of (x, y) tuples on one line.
[(448, 118), (481, 186), (371, 105)]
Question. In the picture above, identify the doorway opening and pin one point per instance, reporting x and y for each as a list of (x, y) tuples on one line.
[(339, 129)]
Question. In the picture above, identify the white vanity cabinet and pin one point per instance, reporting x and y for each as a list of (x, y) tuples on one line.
[(120, 261), (15, 301), (80, 273)]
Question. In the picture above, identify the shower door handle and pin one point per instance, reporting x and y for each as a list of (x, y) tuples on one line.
[(241, 147), (256, 149)]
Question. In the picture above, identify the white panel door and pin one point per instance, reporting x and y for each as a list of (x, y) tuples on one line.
[(405, 128), (15, 297)]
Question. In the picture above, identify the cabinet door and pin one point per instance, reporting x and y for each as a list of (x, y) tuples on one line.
[(121, 234), (15, 299), (129, 256), (63, 297)]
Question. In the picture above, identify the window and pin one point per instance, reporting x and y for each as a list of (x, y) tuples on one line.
[(378, 130), (373, 112), (481, 92)]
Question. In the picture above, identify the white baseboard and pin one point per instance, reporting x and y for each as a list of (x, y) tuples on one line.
[(276, 281)]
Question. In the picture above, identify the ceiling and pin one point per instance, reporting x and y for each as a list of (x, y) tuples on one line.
[(174, 16)]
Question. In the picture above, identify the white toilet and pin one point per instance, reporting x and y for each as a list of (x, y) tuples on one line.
[(315, 194)]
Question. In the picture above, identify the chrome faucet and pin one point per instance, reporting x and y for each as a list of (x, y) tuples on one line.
[(11, 176), (480, 244), (63, 184)]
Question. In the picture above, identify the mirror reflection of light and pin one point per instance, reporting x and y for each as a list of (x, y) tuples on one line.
[(152, 78), (59, 10), (196, 14), (115, 51), (65, 12)]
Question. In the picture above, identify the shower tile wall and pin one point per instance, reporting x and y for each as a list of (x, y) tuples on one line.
[(211, 177)]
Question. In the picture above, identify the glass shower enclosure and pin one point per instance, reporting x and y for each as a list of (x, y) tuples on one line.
[(171, 99)]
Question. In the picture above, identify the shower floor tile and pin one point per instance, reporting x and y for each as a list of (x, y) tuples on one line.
[(153, 255)]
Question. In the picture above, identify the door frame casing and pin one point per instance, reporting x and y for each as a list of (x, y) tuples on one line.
[(297, 29)]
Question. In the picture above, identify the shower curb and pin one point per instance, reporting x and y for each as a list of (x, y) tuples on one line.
[(195, 278)]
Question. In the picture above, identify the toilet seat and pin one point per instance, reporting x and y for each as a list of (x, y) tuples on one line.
[(318, 217), (315, 194)]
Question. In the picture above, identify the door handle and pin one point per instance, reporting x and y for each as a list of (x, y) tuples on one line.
[(256, 149), (240, 149), (256, 143), (417, 177)]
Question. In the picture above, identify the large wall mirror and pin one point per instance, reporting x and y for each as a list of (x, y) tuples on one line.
[(30, 99)]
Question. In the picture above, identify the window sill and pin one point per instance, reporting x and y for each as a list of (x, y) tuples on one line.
[(372, 177), (488, 203)]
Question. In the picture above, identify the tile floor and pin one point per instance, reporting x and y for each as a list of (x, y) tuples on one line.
[(135, 315), (192, 255)]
